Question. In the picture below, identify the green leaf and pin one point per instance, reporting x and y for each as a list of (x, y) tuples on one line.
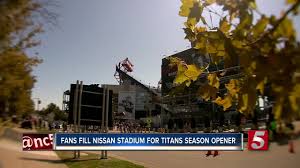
[(260, 26)]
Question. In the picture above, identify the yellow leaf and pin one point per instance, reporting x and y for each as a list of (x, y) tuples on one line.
[(261, 86), (184, 11), (278, 108), (293, 103), (209, 2), (245, 99), (188, 3), (221, 53), (224, 26), (188, 83), (277, 88), (296, 90), (252, 5), (213, 80), (182, 67), (207, 92), (260, 26), (232, 87), (221, 46), (210, 48), (226, 102), (185, 8), (200, 29), (290, 1), (180, 76), (200, 43), (186, 73), (192, 72), (191, 22), (285, 28), (174, 61), (237, 43)]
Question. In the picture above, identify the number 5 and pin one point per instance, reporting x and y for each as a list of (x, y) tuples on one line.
[(258, 140)]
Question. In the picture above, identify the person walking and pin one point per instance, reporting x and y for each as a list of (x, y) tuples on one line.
[(207, 124), (290, 132)]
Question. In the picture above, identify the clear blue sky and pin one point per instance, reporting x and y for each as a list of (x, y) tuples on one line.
[(94, 35)]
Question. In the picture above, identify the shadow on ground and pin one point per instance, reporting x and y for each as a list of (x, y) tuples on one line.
[(70, 160)]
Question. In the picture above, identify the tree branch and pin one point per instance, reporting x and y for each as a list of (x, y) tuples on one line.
[(293, 7)]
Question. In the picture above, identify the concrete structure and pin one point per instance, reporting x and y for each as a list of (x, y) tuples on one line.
[(133, 100)]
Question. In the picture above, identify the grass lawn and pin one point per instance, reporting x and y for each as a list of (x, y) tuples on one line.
[(92, 161)]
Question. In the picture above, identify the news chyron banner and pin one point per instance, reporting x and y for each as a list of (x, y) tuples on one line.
[(180, 141), (257, 141)]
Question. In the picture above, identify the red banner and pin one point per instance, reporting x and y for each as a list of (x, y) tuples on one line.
[(32, 142)]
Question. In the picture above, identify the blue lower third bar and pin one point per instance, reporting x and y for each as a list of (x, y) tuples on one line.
[(189, 141)]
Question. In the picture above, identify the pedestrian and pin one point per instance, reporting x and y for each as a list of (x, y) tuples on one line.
[(209, 130), (290, 133)]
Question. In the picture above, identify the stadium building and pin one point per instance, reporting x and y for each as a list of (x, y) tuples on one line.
[(186, 108)]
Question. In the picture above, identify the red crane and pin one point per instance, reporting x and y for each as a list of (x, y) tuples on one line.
[(126, 65)]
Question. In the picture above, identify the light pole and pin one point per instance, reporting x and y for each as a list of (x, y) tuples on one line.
[(38, 102)]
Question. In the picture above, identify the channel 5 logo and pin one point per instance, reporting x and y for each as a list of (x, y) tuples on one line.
[(258, 140)]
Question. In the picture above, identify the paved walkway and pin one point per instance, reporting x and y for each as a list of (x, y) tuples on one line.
[(276, 157), (12, 156)]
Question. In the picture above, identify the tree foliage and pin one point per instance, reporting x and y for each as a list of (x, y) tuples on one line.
[(19, 24), (53, 108), (265, 47)]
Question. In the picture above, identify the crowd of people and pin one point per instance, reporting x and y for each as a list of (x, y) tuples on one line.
[(135, 127), (31, 122)]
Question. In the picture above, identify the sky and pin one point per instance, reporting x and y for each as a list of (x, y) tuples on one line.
[(92, 36)]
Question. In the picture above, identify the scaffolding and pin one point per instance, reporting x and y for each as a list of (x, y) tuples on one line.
[(187, 107)]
